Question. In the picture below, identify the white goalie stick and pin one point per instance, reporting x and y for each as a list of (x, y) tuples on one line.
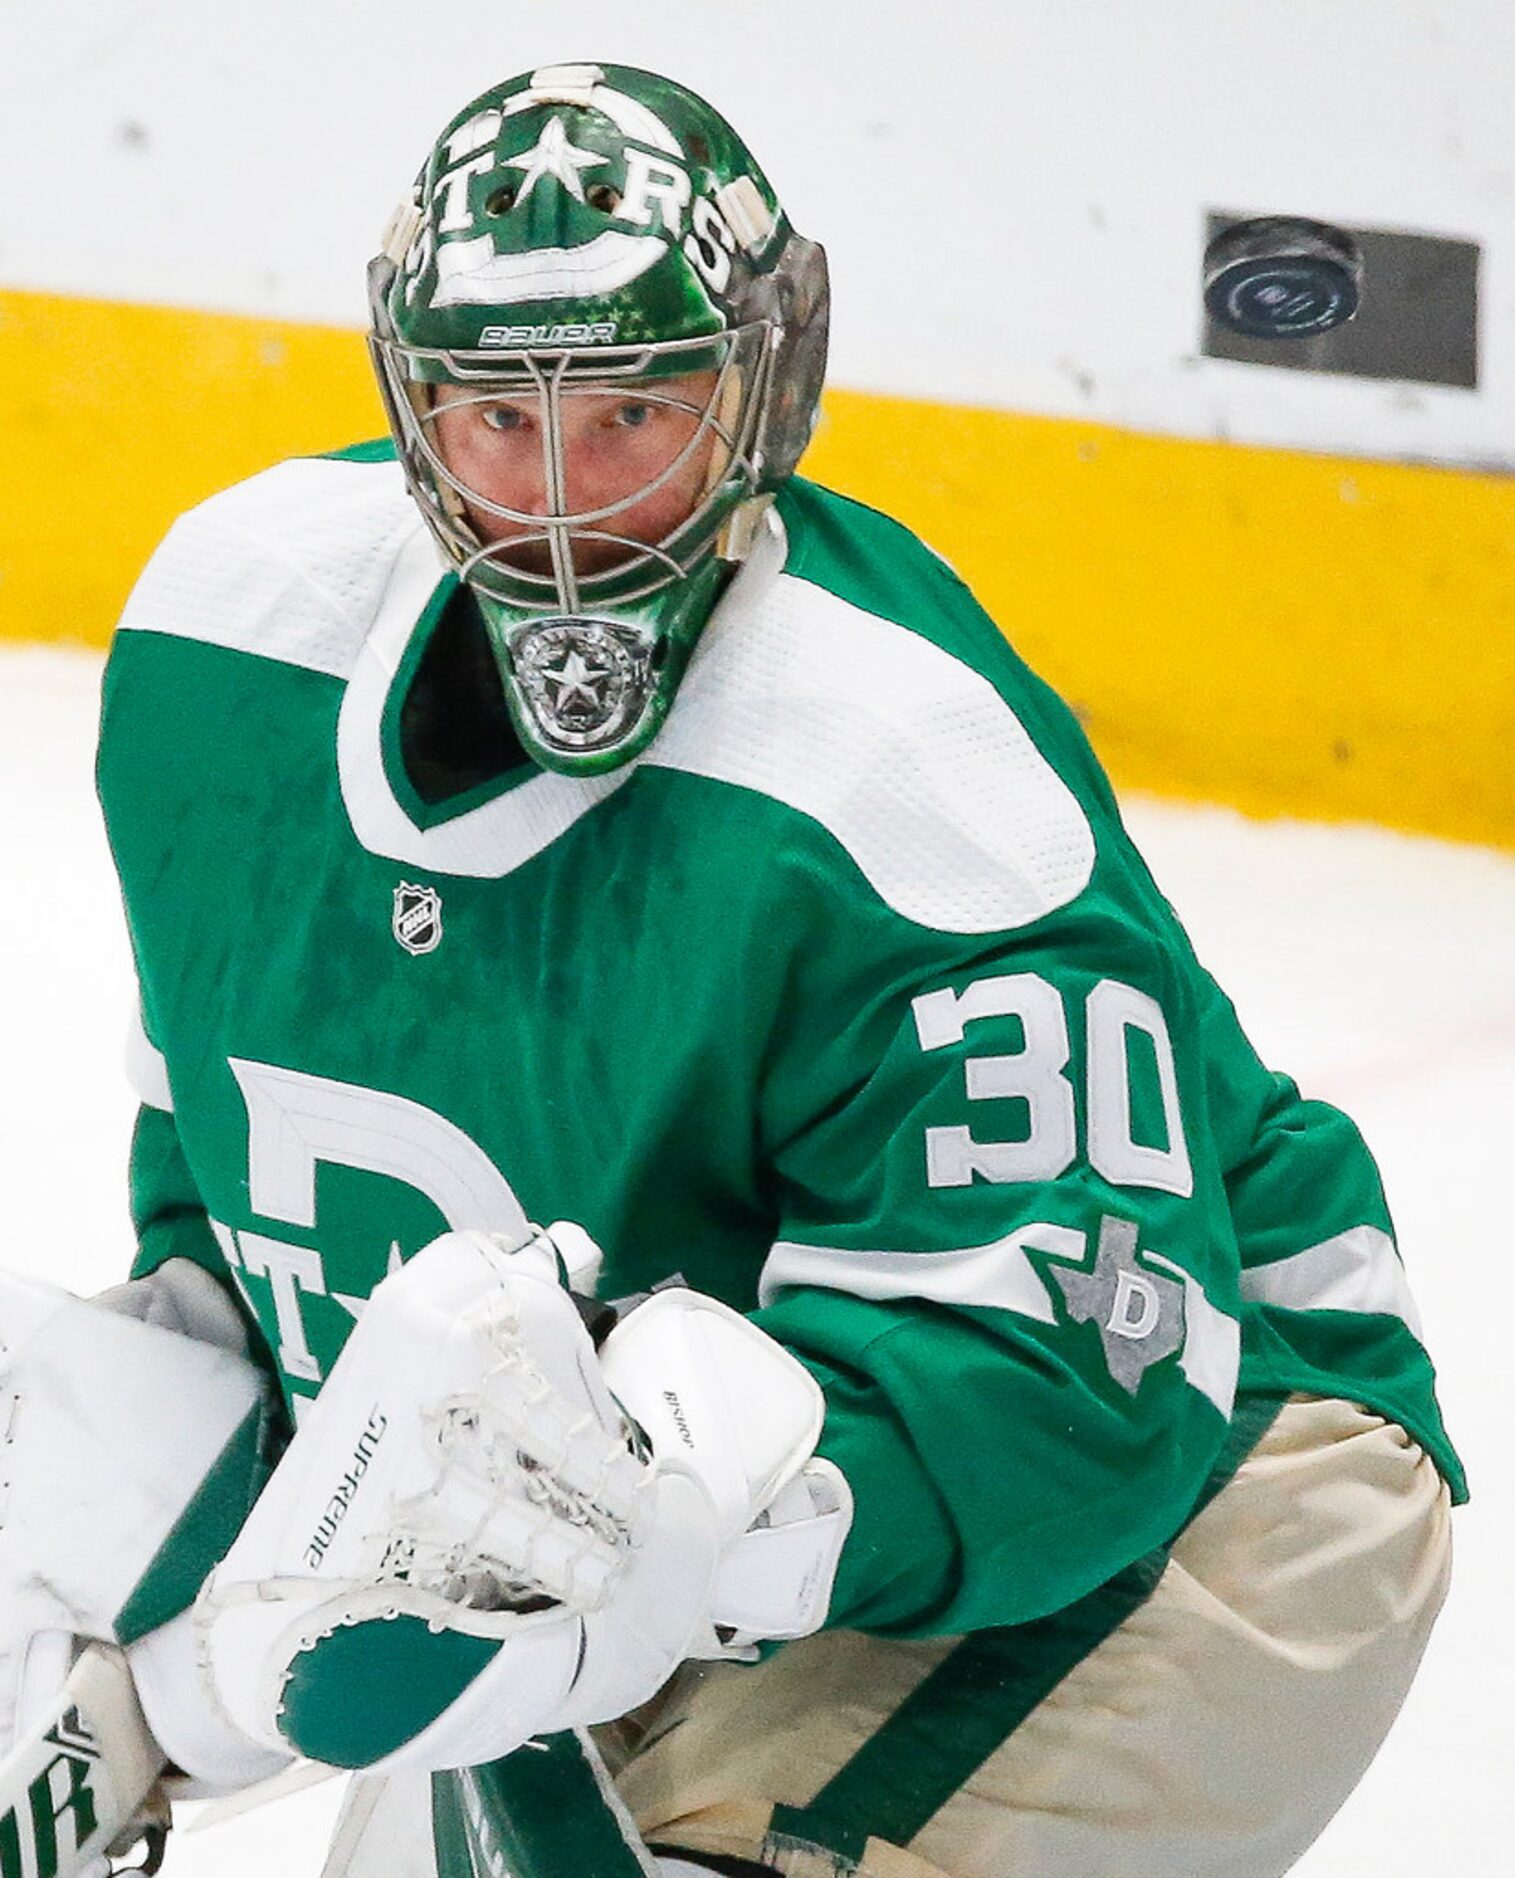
[(79, 1787)]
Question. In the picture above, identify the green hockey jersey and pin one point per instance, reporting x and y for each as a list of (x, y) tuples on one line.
[(850, 1001)]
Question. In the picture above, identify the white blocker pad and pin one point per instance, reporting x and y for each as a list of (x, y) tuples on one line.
[(707, 1386), (112, 1427)]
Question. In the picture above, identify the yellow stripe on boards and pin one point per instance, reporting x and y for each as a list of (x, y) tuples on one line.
[(120, 417), (1297, 635), (1304, 635)]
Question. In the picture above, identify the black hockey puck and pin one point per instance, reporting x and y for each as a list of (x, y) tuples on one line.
[(1282, 277)]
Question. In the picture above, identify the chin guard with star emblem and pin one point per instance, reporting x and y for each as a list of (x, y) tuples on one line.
[(587, 692), (585, 682)]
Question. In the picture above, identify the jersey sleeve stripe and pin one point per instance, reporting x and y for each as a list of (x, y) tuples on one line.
[(1358, 1270), (146, 1070), (1000, 1276), (1211, 1356)]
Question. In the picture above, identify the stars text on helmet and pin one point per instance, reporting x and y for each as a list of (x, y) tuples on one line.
[(553, 155)]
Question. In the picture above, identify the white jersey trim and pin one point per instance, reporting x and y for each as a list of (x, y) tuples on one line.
[(1211, 1356), (146, 1069), (909, 758), (999, 1276), (288, 565), (1358, 1270), (485, 843)]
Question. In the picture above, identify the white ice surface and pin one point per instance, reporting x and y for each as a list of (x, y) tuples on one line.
[(1377, 968)]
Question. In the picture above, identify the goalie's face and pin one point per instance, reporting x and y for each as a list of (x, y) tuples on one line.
[(593, 473)]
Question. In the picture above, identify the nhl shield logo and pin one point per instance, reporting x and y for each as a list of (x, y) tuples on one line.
[(417, 922)]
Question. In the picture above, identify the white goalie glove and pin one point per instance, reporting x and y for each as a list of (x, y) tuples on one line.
[(487, 1530)]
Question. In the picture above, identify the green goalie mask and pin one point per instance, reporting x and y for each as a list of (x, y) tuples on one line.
[(600, 345)]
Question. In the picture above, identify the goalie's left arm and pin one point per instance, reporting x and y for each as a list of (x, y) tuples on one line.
[(486, 1529)]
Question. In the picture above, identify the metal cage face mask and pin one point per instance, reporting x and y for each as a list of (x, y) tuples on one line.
[(583, 498), (569, 481)]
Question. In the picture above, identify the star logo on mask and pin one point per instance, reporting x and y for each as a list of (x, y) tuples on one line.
[(553, 155), (575, 681), (581, 679)]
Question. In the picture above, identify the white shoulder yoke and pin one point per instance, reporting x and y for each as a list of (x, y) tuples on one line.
[(290, 564), (908, 757)]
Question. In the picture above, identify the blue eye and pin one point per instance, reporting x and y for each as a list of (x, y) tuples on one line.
[(633, 416), (503, 417)]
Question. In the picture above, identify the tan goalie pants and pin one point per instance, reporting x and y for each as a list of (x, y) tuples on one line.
[(1210, 1734)]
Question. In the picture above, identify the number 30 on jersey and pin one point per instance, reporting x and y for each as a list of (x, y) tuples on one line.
[(1037, 1074)]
